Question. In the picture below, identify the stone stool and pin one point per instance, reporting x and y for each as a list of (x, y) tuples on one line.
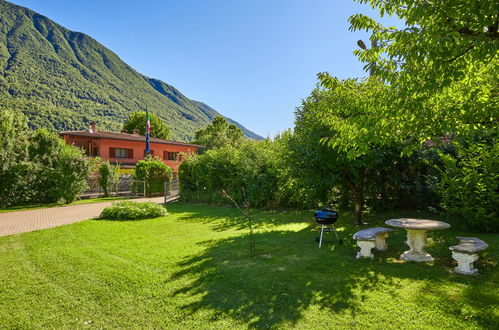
[(371, 238), (465, 253)]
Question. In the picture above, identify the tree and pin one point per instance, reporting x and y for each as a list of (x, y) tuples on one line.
[(137, 120), (108, 177), (334, 157), (219, 134), (442, 67), (442, 72), (469, 183), (62, 168), (321, 132), (248, 172), (37, 167), (13, 138), (16, 173), (154, 172)]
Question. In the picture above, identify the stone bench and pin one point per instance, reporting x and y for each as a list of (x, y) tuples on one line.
[(465, 253), (370, 238)]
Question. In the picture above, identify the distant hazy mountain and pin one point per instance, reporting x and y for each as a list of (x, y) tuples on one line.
[(63, 80)]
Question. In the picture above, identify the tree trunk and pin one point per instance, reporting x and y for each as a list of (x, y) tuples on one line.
[(357, 191), (358, 200)]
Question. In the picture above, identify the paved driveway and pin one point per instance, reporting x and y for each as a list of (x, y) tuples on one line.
[(30, 220)]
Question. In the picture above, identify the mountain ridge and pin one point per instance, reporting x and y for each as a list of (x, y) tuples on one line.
[(62, 80)]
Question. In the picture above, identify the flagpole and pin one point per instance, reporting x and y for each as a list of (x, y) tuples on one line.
[(148, 129)]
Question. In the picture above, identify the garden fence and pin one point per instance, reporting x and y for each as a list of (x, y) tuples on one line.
[(127, 186)]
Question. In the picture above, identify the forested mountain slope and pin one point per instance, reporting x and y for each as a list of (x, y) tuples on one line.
[(62, 80)]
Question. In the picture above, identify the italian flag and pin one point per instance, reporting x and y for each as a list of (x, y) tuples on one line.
[(148, 123)]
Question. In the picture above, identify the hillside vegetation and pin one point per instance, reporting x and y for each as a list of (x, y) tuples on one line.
[(62, 80)]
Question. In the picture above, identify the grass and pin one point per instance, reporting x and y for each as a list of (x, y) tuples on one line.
[(43, 206), (193, 269)]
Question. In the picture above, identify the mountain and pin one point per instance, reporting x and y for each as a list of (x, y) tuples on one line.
[(63, 80)]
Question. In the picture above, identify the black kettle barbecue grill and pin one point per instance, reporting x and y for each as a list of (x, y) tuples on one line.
[(326, 217)]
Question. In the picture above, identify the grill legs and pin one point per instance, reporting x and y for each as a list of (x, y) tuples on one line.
[(328, 229), (322, 232)]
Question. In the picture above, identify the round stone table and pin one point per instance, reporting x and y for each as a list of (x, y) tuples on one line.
[(417, 232)]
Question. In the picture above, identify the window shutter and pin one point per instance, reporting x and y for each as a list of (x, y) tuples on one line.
[(129, 154), (112, 152), (165, 155)]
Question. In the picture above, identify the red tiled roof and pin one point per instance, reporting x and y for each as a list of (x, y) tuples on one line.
[(126, 136)]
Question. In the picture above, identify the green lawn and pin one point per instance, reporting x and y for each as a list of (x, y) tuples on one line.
[(43, 206), (192, 269)]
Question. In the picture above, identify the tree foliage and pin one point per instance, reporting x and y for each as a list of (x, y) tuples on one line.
[(219, 134), (37, 167), (63, 169), (442, 67), (376, 141), (251, 169), (13, 138), (469, 183), (108, 177), (137, 120), (154, 172), (342, 161)]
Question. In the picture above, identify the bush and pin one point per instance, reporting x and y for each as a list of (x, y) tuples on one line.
[(37, 167), (154, 172), (63, 169), (469, 185), (251, 168), (16, 184), (128, 210), (108, 177)]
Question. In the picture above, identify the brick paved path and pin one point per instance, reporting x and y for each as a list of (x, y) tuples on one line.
[(30, 220)]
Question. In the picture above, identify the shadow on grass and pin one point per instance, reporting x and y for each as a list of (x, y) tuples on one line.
[(274, 286), (477, 301), (290, 274)]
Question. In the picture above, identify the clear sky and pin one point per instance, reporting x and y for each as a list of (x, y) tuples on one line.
[(251, 60)]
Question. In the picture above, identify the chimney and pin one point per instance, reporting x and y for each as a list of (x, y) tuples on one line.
[(92, 128), (136, 132)]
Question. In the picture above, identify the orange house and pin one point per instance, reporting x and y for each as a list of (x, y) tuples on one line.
[(128, 149)]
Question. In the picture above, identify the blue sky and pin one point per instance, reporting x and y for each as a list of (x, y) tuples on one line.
[(252, 60)]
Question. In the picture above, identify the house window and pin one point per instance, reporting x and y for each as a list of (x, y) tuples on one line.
[(169, 155), (121, 153)]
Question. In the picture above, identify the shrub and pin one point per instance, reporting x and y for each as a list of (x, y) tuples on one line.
[(37, 167), (252, 167), (108, 177), (154, 172), (469, 185), (128, 210), (63, 169), (16, 184)]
